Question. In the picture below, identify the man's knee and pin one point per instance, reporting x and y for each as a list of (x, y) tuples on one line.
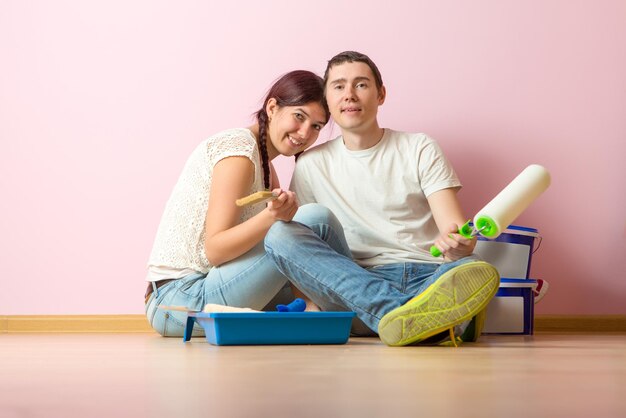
[(276, 234), (314, 214)]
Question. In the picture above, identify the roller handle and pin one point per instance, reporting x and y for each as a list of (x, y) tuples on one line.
[(466, 230)]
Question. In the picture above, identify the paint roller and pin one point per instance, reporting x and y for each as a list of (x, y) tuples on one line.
[(498, 214)]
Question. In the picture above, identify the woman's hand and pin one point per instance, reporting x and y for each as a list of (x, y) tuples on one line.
[(453, 245), (284, 207)]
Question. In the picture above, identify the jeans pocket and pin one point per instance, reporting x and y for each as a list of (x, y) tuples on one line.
[(168, 325), (166, 319)]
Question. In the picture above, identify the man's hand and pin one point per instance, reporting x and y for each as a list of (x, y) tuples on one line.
[(454, 246)]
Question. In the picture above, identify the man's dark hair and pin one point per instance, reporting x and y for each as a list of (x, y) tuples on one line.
[(353, 56)]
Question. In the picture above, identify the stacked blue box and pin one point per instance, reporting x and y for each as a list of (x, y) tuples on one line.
[(512, 310)]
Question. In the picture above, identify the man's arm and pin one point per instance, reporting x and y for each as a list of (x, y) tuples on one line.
[(448, 215)]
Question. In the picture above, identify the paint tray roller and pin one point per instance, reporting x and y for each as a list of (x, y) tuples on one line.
[(498, 214)]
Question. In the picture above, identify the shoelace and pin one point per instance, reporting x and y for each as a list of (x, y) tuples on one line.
[(453, 337), (454, 340)]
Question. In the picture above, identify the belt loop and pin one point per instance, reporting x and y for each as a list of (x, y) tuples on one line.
[(155, 290)]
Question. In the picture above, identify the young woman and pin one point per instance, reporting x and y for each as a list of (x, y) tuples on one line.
[(209, 250)]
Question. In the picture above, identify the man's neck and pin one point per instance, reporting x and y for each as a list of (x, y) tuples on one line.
[(361, 140)]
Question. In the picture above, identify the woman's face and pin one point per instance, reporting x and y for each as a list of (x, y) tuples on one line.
[(292, 129)]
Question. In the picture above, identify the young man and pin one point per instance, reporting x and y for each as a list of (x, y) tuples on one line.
[(379, 199)]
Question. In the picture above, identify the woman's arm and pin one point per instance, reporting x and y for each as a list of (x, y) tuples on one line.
[(225, 238), (449, 218)]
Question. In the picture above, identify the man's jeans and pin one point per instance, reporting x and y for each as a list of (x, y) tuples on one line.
[(313, 253)]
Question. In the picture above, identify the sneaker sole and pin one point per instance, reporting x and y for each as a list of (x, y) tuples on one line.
[(456, 296)]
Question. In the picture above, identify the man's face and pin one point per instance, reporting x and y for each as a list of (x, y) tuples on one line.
[(353, 97)]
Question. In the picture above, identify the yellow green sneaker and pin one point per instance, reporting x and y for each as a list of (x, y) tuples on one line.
[(465, 332), (457, 296), (475, 327)]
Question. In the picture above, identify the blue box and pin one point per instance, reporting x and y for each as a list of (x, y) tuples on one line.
[(511, 252), (512, 310), (261, 328)]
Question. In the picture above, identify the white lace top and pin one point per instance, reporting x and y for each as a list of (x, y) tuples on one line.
[(179, 245)]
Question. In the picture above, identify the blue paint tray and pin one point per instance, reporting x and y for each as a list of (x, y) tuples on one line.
[(262, 328)]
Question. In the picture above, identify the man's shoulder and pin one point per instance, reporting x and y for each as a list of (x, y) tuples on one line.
[(407, 140), (406, 136)]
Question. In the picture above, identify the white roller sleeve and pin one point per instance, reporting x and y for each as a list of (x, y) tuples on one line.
[(498, 214)]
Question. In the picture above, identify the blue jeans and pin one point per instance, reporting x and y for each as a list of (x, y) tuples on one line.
[(250, 280), (314, 254)]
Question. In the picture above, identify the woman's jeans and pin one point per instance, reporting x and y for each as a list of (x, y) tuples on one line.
[(250, 281), (314, 254)]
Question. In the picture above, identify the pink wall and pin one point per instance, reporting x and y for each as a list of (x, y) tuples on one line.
[(101, 102)]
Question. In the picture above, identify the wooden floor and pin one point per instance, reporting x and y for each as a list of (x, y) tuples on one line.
[(144, 375)]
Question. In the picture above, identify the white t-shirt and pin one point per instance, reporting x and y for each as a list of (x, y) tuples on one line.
[(179, 245), (379, 194)]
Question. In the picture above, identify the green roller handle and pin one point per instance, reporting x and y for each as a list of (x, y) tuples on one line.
[(466, 230)]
